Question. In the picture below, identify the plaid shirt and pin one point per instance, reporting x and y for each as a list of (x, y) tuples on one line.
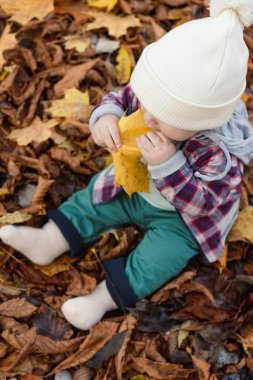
[(205, 190)]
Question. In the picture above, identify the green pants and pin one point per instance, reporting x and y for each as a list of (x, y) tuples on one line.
[(162, 254)]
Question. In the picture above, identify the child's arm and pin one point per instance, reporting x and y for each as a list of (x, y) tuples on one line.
[(104, 118), (115, 104), (198, 192)]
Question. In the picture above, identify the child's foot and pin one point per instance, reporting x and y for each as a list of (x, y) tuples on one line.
[(40, 245), (84, 312)]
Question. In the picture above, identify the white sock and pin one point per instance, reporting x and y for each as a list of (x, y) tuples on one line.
[(85, 311), (40, 245)]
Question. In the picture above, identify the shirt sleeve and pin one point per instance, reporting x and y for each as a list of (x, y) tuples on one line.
[(115, 103), (195, 189)]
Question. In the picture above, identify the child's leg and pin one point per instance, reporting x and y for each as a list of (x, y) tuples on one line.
[(40, 245), (74, 225), (163, 254)]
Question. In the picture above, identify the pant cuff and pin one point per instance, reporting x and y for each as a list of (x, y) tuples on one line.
[(70, 233), (118, 284)]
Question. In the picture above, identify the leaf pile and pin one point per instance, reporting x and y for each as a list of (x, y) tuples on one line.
[(57, 59)]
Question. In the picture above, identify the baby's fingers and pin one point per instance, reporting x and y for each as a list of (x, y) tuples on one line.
[(114, 132)]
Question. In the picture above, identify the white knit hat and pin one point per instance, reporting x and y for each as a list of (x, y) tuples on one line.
[(193, 77)]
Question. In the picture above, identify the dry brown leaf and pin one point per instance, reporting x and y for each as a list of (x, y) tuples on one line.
[(17, 307), (76, 9), (38, 131), (243, 227), (82, 284), (73, 76), (7, 41), (128, 324), (162, 370), (202, 367), (46, 345), (97, 338), (25, 10), (117, 26), (41, 190)]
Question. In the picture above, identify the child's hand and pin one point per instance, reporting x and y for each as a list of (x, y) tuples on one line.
[(106, 132), (155, 147)]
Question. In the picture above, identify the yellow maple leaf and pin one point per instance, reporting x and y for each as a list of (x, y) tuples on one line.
[(123, 68), (129, 171), (109, 4), (117, 26), (25, 10), (7, 41), (38, 131), (74, 105)]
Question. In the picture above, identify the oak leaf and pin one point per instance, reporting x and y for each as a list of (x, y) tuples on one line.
[(24, 11), (123, 68), (38, 131), (109, 4), (117, 26), (74, 105), (7, 41), (130, 172)]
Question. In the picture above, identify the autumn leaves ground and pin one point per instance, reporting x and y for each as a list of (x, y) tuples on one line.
[(199, 326)]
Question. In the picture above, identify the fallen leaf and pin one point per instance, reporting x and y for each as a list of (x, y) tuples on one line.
[(123, 68), (130, 172), (202, 367), (15, 217), (38, 131), (74, 105), (62, 264), (117, 26), (7, 41), (162, 370), (72, 7), (109, 4), (73, 76), (17, 307), (99, 335), (80, 44), (25, 10), (243, 227), (4, 191)]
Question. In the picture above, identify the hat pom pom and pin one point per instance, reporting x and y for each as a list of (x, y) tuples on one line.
[(243, 8)]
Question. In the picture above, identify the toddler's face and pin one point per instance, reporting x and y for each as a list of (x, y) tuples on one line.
[(172, 133)]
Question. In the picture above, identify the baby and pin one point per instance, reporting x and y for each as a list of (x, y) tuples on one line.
[(189, 85)]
